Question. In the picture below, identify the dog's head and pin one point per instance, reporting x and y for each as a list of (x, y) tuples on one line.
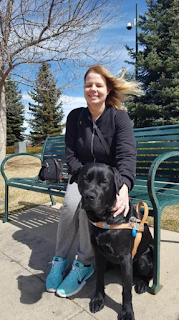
[(98, 185)]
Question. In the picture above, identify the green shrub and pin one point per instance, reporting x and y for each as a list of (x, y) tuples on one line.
[(35, 149), (10, 149)]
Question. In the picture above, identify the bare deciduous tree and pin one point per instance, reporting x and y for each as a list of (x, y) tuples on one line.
[(34, 31)]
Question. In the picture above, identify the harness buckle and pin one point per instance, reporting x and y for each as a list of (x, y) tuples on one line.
[(133, 223)]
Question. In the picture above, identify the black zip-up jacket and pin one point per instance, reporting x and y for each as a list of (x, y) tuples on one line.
[(84, 146)]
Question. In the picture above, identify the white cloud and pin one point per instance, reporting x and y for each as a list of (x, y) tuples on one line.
[(70, 103), (26, 98)]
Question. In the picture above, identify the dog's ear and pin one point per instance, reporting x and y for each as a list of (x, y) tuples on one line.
[(74, 177), (118, 181)]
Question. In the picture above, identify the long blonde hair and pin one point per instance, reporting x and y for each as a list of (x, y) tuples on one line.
[(120, 89)]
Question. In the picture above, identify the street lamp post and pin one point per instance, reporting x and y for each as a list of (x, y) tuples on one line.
[(129, 27)]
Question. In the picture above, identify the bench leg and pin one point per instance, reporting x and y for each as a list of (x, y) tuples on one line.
[(157, 237), (5, 219), (52, 200)]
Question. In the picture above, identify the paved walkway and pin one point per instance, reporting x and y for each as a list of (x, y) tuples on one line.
[(27, 244)]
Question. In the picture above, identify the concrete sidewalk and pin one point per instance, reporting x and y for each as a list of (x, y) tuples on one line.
[(27, 244)]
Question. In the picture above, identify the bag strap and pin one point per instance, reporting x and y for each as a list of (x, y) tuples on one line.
[(100, 135), (103, 141), (60, 167)]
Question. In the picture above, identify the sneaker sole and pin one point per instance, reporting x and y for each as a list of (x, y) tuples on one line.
[(51, 290), (67, 295)]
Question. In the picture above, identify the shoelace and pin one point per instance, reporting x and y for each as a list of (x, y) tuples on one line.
[(55, 267), (74, 269)]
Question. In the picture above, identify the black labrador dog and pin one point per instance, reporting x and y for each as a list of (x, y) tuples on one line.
[(98, 185)]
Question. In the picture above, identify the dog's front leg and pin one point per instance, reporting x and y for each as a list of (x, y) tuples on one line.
[(97, 302), (127, 312)]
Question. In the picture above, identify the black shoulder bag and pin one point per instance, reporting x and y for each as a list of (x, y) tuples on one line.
[(50, 171)]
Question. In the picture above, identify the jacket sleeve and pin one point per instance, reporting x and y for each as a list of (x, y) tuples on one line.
[(71, 139), (125, 148)]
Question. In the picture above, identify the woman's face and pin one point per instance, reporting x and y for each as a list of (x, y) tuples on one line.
[(95, 89)]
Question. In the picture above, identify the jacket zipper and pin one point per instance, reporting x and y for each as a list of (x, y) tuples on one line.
[(92, 143)]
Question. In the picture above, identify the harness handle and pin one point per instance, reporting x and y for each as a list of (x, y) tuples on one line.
[(145, 215), (141, 225)]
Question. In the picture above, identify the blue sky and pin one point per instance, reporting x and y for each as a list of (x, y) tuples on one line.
[(72, 97)]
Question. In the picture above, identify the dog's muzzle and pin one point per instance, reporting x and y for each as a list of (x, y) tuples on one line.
[(90, 201)]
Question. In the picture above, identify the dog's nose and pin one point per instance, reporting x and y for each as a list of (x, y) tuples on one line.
[(89, 196)]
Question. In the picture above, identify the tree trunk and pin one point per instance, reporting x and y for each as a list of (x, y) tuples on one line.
[(2, 123)]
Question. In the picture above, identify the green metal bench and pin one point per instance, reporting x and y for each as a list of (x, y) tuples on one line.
[(53, 147), (157, 179)]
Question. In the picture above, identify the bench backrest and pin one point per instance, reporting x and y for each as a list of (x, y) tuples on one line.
[(152, 142), (54, 147)]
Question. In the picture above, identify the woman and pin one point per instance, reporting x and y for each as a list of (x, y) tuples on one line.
[(104, 94)]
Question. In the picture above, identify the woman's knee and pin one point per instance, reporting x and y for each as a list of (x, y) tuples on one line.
[(69, 208)]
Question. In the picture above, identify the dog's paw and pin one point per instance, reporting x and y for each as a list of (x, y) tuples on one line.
[(141, 286), (97, 303), (126, 315)]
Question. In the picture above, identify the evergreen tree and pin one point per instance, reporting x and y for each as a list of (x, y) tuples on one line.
[(46, 112), (15, 112), (158, 65)]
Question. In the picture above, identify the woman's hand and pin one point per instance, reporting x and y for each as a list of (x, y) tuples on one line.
[(122, 202)]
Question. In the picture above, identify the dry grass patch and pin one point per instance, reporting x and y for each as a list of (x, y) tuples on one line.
[(170, 218), (19, 199)]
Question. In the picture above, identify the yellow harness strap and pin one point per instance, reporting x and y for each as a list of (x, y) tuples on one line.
[(141, 226)]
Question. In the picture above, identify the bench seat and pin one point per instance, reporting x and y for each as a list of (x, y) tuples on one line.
[(34, 185)]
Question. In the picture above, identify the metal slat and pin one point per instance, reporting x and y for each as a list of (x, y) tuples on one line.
[(154, 152), (162, 144), (160, 173), (149, 158), (54, 148), (171, 127), (33, 182), (156, 138), (172, 166), (156, 132), (54, 192)]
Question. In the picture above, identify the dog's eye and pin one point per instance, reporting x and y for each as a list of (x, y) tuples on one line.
[(105, 181)]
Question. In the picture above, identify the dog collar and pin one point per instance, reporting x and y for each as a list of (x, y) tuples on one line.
[(133, 224), (136, 225)]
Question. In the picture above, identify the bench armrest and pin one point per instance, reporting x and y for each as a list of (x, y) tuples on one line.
[(13, 156), (152, 173)]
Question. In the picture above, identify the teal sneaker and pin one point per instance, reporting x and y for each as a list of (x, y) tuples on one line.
[(75, 280), (55, 277)]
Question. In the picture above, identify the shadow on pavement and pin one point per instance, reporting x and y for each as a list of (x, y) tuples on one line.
[(37, 230)]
